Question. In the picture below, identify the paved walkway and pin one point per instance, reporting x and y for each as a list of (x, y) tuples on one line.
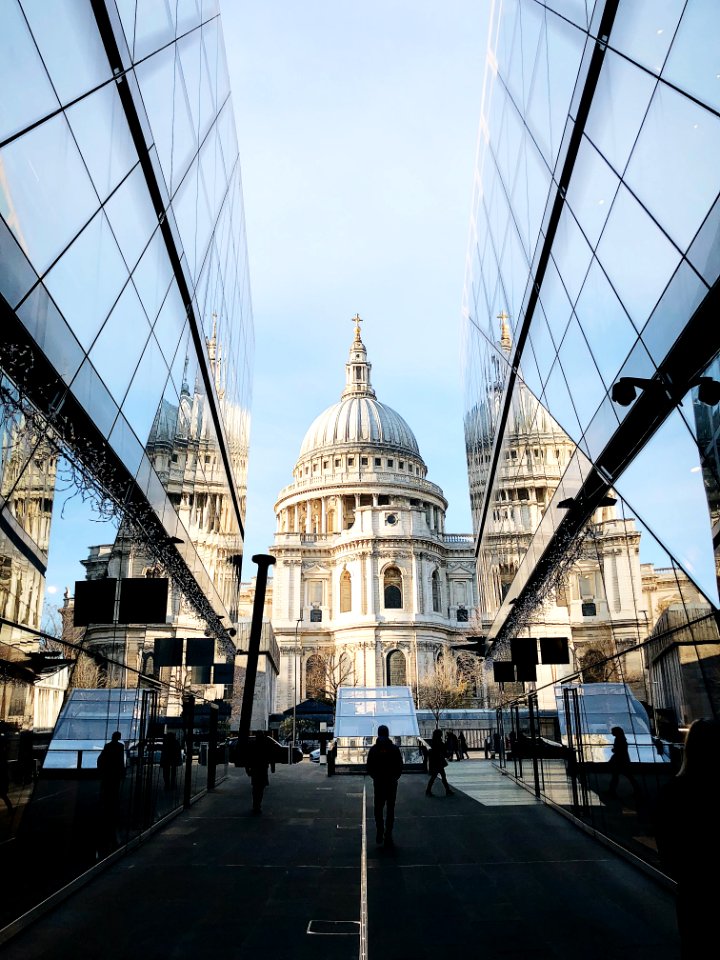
[(490, 872)]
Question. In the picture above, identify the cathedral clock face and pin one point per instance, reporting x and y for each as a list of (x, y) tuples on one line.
[(391, 518)]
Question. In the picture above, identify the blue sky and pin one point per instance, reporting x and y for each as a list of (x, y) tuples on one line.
[(357, 128)]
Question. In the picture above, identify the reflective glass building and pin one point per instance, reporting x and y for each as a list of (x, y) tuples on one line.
[(126, 350), (591, 357)]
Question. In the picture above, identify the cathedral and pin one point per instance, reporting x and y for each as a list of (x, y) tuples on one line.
[(369, 589)]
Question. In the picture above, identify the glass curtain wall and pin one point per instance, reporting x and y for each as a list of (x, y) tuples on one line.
[(592, 384), (125, 387)]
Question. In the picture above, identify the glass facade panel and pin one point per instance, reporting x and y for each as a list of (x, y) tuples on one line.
[(88, 279), (644, 33), (692, 62), (125, 477), (121, 342), (678, 140), (131, 217), (619, 106), (608, 544), (70, 45), (607, 328), (636, 256), (583, 378), (46, 196), (16, 274), (592, 191), (669, 498), (33, 99), (704, 254), (571, 254), (101, 130)]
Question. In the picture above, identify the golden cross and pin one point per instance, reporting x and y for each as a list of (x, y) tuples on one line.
[(357, 320), (503, 316)]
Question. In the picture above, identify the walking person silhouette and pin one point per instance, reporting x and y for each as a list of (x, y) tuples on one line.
[(688, 839), (111, 766), (259, 758), (619, 762), (384, 765), (437, 763)]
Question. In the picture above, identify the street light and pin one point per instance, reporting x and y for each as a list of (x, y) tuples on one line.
[(295, 677)]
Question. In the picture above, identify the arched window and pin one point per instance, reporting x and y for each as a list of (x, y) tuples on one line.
[(396, 671), (345, 592), (393, 589), (315, 677), (436, 591)]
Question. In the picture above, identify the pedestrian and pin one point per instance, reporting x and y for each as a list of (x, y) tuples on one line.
[(259, 758), (462, 747), (424, 754), (487, 747), (384, 766), (619, 762), (111, 766), (497, 745), (688, 839), (4, 773), (437, 763), (450, 745), (170, 759)]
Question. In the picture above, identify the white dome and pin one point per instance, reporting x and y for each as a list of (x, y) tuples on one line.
[(360, 420)]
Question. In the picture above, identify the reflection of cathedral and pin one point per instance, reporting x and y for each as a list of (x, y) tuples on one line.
[(184, 452), (28, 468), (606, 602), (28, 465), (368, 588)]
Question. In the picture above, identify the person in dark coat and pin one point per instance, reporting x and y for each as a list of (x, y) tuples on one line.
[(259, 758), (170, 759), (4, 774), (462, 747), (437, 763), (619, 762), (450, 745), (384, 766), (111, 766), (688, 839)]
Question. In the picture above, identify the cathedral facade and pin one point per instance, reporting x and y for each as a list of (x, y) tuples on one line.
[(369, 589)]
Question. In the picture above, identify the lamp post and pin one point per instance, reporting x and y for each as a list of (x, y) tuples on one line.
[(295, 675), (264, 562)]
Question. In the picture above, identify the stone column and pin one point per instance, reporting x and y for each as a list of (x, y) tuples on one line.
[(323, 515), (419, 564), (370, 581)]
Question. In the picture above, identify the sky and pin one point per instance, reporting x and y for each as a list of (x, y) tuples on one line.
[(357, 127)]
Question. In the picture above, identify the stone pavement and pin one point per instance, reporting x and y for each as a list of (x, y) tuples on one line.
[(490, 872)]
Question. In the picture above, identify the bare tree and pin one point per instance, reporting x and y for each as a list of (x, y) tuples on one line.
[(86, 673), (327, 672), (444, 689), (598, 666)]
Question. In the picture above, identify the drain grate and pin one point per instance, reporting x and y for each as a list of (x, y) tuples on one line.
[(335, 928)]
